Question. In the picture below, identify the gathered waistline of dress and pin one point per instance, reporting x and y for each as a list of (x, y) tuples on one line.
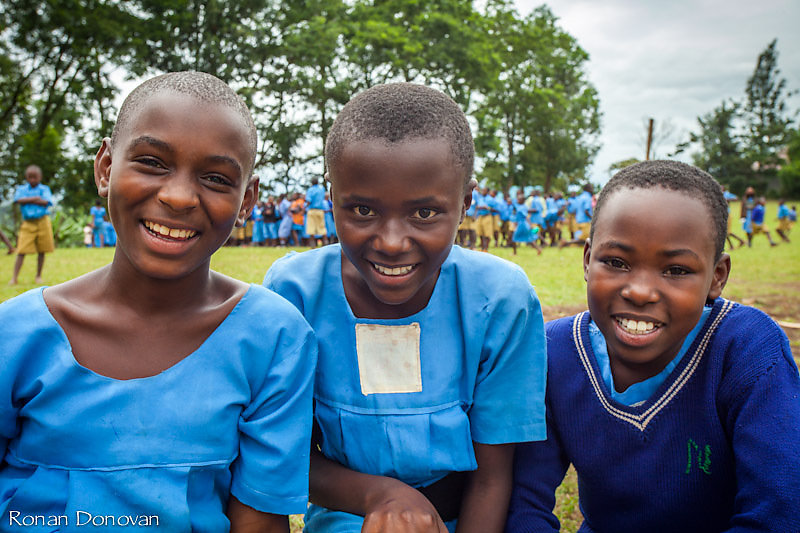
[(21, 461)]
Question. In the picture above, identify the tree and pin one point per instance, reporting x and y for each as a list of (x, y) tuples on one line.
[(766, 117), (56, 86), (720, 148), (540, 116), (790, 171)]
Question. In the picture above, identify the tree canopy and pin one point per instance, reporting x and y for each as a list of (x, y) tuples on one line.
[(521, 80)]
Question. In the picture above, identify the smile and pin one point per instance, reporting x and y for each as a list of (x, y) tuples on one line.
[(637, 327), (172, 233), (396, 271)]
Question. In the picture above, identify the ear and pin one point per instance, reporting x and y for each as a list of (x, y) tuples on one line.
[(721, 272), (102, 168), (467, 197), (587, 253), (248, 201)]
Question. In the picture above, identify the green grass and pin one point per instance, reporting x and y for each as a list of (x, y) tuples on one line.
[(766, 277)]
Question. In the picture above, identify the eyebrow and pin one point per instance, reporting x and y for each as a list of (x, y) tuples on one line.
[(152, 141), (355, 198), (161, 145), (627, 248)]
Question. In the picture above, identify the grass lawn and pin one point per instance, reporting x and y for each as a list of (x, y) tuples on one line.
[(765, 277)]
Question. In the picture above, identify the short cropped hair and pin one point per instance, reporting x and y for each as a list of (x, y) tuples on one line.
[(395, 112), (674, 176), (199, 85)]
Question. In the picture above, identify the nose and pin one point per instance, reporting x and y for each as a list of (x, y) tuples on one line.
[(178, 193), (392, 238), (641, 289)]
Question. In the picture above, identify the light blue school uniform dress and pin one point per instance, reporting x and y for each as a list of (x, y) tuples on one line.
[(259, 229), (285, 226), (109, 234), (233, 417), (583, 213), (330, 225), (98, 214), (406, 398), (524, 231)]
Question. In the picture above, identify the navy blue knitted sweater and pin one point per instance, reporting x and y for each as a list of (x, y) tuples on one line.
[(716, 448)]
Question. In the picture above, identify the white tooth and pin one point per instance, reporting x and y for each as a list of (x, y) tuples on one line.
[(641, 325), (650, 326), (163, 230), (175, 233)]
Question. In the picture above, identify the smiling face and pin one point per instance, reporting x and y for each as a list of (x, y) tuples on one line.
[(176, 179), (650, 268), (397, 208)]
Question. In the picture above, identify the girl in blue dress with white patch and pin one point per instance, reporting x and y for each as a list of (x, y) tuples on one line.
[(431, 356), (152, 391)]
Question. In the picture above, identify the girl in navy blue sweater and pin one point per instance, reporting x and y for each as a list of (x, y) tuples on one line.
[(680, 410)]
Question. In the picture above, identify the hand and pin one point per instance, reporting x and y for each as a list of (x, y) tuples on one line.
[(402, 509)]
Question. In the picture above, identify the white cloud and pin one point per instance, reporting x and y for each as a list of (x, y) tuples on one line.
[(672, 60)]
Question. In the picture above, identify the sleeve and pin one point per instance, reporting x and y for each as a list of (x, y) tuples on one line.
[(762, 415), (271, 472), (508, 402), (19, 193), (539, 469), (47, 195), (10, 363)]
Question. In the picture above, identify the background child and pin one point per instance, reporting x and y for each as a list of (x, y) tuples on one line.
[(784, 220), (431, 356), (524, 232), (36, 231), (758, 225), (98, 215), (153, 391), (746, 213), (680, 410)]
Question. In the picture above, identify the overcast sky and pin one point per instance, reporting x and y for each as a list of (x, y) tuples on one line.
[(672, 60)]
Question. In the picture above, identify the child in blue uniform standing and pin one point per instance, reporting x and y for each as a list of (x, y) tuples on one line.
[(432, 356), (98, 216), (152, 391), (680, 410)]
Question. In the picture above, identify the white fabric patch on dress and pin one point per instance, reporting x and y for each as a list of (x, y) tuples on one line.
[(388, 358)]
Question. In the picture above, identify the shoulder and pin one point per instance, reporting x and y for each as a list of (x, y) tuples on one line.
[(563, 333), (485, 281), (296, 265), (27, 303), (260, 303), (484, 269), (298, 275), (748, 343), (27, 322)]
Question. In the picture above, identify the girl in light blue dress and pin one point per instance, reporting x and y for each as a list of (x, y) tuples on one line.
[(155, 392)]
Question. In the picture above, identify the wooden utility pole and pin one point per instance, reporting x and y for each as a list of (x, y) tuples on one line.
[(649, 138)]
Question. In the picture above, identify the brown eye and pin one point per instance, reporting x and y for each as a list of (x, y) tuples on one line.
[(363, 211), (424, 213)]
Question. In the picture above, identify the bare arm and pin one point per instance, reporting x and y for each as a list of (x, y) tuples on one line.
[(387, 504), (245, 519), (485, 503)]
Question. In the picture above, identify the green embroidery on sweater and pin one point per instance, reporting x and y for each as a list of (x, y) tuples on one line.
[(703, 457)]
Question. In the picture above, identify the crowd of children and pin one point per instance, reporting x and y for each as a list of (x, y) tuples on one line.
[(390, 382), (526, 216), (290, 219)]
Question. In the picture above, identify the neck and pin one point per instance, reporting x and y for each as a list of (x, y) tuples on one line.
[(146, 295)]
